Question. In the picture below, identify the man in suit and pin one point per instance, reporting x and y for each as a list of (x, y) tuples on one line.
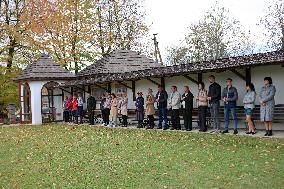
[(91, 106), (174, 105), (161, 99), (187, 101)]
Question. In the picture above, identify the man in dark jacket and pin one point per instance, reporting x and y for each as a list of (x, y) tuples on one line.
[(161, 99), (91, 106), (230, 97), (214, 97), (102, 108), (187, 103)]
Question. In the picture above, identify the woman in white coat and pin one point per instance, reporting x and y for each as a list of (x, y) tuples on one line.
[(123, 109)]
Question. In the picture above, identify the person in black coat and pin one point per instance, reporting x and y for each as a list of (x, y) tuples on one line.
[(214, 97), (161, 99), (139, 103), (91, 106), (187, 103)]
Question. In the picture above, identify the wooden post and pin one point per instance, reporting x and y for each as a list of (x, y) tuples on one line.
[(248, 74), (190, 79), (109, 87), (199, 76), (89, 89), (163, 84), (72, 91), (133, 90), (20, 96)]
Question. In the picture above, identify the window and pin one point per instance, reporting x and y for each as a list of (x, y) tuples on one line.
[(120, 90)]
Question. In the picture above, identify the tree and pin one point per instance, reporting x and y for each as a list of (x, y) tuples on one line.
[(11, 33), (14, 52), (79, 31), (121, 24), (61, 28), (215, 36), (177, 55), (8, 89), (274, 23)]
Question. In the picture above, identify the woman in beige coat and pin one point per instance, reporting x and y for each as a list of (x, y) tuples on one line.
[(113, 111), (202, 105), (150, 109)]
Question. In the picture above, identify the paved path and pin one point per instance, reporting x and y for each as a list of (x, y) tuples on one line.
[(260, 133)]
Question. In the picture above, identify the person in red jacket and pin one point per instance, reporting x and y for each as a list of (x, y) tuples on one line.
[(75, 108), (69, 107)]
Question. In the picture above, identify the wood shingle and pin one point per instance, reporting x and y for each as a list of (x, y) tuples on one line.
[(45, 69), (120, 61)]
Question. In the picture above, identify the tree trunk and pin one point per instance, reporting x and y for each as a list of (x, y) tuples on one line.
[(11, 52)]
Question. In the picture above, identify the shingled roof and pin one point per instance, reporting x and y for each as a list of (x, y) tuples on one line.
[(45, 69), (120, 61), (259, 59)]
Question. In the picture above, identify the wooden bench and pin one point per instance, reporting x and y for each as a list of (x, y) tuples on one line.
[(278, 115)]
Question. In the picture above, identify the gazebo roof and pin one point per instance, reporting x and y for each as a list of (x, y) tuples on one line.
[(45, 69), (120, 61)]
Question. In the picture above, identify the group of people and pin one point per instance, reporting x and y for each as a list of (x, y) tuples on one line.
[(111, 107), (73, 108)]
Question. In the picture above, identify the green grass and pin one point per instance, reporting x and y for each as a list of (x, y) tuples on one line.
[(58, 156)]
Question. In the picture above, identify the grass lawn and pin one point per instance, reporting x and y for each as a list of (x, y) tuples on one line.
[(58, 156)]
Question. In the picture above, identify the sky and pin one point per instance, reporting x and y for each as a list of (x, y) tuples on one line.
[(171, 18)]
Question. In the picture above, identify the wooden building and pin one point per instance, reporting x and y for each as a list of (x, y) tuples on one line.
[(124, 71)]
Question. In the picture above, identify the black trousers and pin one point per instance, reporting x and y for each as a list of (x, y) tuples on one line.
[(151, 120), (106, 115), (124, 120), (202, 110), (66, 115), (75, 116), (91, 115), (187, 117), (175, 119)]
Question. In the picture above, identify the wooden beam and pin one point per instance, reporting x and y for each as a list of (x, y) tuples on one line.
[(124, 84), (65, 90), (101, 87), (239, 74), (156, 83), (190, 79), (133, 90), (83, 89)]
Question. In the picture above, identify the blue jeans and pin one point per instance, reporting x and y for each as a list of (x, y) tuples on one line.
[(227, 109), (163, 116), (80, 111)]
